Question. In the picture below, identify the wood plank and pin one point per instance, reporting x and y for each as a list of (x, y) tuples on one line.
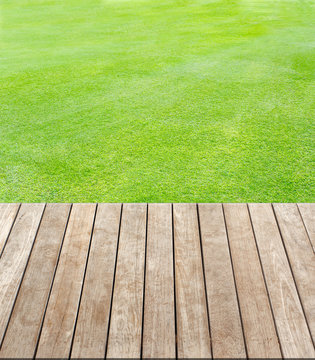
[(159, 316), (15, 256), (308, 214), (23, 330), (124, 339), (193, 336), (7, 216), (301, 257), (225, 323), (58, 326), (294, 335), (92, 325), (259, 329)]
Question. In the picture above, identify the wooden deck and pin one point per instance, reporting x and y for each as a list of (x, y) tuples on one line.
[(157, 280)]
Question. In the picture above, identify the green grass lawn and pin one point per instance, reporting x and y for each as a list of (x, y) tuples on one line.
[(157, 101)]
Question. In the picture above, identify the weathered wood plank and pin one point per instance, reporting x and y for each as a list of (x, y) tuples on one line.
[(159, 317), (301, 257), (124, 339), (92, 325), (226, 329), (7, 215), (15, 256), (24, 326), (294, 335), (58, 326), (259, 329), (308, 214), (193, 337)]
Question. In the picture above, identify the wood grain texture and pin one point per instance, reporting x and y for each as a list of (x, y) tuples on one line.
[(294, 335), (193, 338), (159, 317), (124, 339), (58, 326), (15, 256), (259, 329), (7, 215), (225, 323), (23, 330), (308, 214), (88, 281), (301, 257), (92, 325)]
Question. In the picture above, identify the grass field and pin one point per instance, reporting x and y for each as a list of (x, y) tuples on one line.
[(169, 100)]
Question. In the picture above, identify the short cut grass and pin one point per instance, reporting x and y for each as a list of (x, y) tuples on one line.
[(157, 101)]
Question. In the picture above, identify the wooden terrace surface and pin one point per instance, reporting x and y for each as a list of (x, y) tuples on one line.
[(157, 281)]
